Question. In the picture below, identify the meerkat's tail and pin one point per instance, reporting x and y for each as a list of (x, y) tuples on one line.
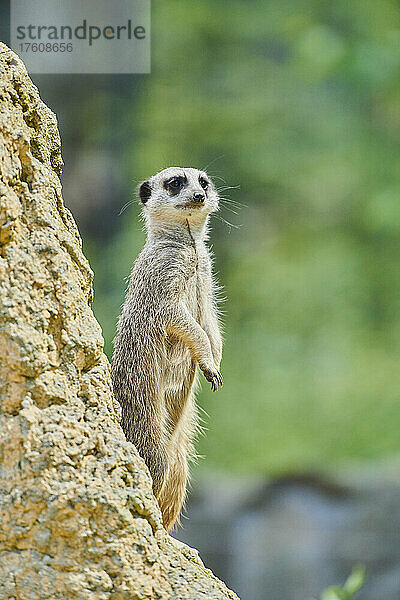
[(180, 453), (173, 493)]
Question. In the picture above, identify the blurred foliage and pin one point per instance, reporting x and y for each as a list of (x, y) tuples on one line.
[(298, 104), (352, 585)]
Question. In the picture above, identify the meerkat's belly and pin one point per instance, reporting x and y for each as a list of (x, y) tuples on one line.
[(178, 359), (178, 380), (180, 368)]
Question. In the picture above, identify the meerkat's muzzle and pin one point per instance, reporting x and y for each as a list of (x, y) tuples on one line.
[(198, 197), (197, 201)]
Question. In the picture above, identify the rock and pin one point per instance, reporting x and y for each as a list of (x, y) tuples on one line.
[(78, 519), (293, 536)]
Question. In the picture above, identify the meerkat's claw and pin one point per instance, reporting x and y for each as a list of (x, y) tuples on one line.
[(208, 374), (215, 378), (217, 382)]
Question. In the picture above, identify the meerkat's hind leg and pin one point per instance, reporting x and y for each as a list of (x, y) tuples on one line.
[(151, 444)]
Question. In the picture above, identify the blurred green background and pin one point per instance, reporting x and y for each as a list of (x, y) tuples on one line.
[(297, 106)]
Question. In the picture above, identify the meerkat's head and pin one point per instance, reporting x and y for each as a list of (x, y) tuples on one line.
[(179, 195)]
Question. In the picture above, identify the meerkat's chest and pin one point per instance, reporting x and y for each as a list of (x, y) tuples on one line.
[(196, 284)]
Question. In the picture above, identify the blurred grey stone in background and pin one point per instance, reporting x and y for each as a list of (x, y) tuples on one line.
[(289, 538), (91, 179)]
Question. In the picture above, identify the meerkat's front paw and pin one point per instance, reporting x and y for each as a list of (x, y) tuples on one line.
[(214, 377)]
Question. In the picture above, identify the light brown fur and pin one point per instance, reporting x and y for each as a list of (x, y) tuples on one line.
[(168, 325)]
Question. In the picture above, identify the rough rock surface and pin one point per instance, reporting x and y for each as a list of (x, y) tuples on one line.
[(77, 514)]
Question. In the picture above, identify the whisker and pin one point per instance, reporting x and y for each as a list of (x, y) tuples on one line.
[(224, 188), (213, 161), (233, 202), (230, 209), (230, 225), (215, 176), (123, 209), (230, 201)]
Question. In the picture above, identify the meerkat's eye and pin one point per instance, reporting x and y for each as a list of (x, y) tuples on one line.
[(203, 182), (175, 184)]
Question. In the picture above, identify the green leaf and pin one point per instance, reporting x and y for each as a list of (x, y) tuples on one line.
[(334, 593), (355, 581)]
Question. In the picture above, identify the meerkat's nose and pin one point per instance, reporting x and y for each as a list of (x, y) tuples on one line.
[(198, 197)]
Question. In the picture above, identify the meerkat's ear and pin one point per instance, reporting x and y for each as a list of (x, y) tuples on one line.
[(145, 191)]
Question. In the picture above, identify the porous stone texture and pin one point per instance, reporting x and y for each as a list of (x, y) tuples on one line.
[(78, 519)]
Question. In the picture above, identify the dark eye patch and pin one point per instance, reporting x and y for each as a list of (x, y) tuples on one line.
[(175, 184), (203, 182)]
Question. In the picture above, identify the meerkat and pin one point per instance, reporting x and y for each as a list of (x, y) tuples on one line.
[(168, 326)]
